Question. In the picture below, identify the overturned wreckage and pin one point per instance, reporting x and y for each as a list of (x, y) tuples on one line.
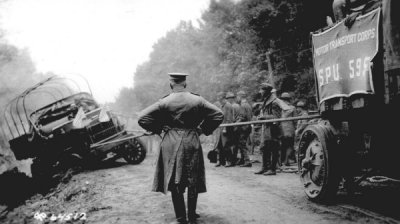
[(60, 126)]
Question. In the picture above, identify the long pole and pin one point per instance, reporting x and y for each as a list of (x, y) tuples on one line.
[(271, 120)]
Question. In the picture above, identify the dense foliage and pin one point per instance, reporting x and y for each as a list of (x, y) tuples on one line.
[(237, 45), (17, 72)]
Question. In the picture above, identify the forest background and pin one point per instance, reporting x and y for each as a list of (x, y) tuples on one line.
[(236, 46)]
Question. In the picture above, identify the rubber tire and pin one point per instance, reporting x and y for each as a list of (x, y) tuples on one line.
[(330, 184), (130, 155)]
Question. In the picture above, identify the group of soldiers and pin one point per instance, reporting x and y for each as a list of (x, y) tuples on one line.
[(181, 117), (277, 140), (231, 140)]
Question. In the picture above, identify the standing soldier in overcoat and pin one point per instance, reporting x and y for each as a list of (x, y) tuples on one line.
[(182, 116), (232, 139), (242, 132), (288, 129), (271, 109), (224, 134), (301, 111)]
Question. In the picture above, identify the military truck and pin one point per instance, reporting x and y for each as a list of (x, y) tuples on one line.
[(59, 125), (357, 78)]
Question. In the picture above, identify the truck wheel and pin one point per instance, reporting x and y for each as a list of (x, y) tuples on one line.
[(135, 152), (317, 158)]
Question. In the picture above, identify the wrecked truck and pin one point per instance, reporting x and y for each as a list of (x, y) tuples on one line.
[(59, 126)]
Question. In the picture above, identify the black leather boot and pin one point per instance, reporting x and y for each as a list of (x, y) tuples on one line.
[(266, 157), (263, 170), (192, 203), (179, 207)]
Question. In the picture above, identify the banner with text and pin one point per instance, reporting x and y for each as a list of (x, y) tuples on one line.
[(342, 57)]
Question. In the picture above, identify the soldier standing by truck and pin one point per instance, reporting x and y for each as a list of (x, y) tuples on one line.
[(343, 8), (271, 109), (288, 129), (301, 111)]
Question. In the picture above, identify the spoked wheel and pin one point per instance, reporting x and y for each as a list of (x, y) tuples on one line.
[(318, 172), (135, 152)]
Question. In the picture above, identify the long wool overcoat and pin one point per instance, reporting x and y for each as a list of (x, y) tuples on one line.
[(225, 134), (181, 115), (272, 108)]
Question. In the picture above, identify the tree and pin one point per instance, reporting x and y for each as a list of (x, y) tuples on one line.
[(17, 72), (228, 50)]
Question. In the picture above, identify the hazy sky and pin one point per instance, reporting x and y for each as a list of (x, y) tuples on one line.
[(102, 40)]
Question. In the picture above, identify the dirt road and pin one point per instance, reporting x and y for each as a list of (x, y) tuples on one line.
[(121, 194)]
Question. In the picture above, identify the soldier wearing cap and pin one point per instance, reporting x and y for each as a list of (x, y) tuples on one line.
[(245, 105), (182, 116), (288, 129), (242, 133), (225, 134), (285, 96), (350, 9), (271, 108), (342, 8), (232, 150), (301, 111)]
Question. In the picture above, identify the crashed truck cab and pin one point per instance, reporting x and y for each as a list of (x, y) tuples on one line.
[(357, 78), (56, 123)]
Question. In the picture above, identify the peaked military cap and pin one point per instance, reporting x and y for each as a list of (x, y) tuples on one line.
[(285, 95), (241, 93), (229, 95), (266, 86), (177, 77)]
